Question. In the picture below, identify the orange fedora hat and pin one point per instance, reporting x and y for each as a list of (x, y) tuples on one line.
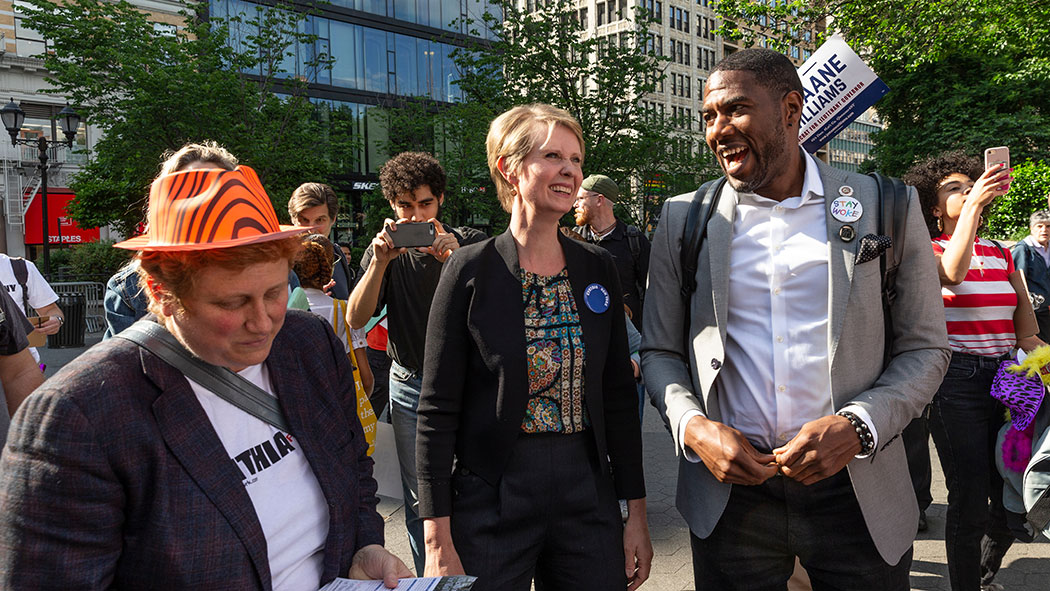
[(208, 208)]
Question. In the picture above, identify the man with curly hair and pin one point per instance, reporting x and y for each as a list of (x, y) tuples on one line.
[(404, 280)]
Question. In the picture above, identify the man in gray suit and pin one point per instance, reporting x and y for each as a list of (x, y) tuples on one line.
[(781, 383)]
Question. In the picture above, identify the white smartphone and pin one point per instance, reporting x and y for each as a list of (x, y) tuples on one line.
[(1000, 155)]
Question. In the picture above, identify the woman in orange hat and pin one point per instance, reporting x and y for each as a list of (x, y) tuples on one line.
[(214, 444)]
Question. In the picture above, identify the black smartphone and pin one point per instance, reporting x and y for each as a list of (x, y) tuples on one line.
[(413, 234)]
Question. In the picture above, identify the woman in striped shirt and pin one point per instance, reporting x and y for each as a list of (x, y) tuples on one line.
[(981, 291)]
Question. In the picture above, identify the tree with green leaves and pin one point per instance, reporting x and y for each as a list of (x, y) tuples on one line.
[(1008, 215), (962, 74), (540, 55), (238, 80)]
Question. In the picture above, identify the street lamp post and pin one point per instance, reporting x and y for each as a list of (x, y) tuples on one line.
[(13, 117)]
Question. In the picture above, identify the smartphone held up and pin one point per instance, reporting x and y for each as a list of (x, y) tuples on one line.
[(412, 234), (994, 156), (998, 156)]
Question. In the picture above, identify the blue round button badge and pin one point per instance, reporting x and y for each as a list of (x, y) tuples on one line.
[(596, 297)]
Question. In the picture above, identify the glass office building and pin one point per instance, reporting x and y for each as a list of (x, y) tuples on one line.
[(385, 51)]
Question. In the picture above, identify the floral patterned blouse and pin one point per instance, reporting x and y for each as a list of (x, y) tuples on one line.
[(554, 345)]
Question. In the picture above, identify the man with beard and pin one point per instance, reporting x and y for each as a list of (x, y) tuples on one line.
[(785, 418), (404, 280), (597, 223)]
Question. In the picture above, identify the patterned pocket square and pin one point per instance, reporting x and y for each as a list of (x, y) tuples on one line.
[(871, 247)]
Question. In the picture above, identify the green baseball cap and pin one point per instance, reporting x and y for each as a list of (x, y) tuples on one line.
[(599, 183)]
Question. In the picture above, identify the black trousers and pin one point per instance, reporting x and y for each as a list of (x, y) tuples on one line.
[(916, 438), (552, 517), (765, 527), (1043, 318), (964, 422)]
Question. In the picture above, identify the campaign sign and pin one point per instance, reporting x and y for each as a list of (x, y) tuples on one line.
[(839, 86)]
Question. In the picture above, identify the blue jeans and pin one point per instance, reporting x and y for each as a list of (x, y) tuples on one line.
[(964, 422), (405, 386)]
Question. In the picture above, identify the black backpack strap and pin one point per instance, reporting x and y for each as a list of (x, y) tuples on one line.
[(633, 241), (705, 200), (700, 209), (18, 265), (893, 220)]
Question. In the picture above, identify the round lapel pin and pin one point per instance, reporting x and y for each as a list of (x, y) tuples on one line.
[(596, 297), (846, 191), (847, 233), (846, 209)]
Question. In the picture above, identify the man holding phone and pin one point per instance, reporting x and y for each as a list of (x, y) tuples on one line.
[(401, 267)]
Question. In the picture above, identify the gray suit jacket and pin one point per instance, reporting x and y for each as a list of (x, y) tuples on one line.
[(680, 378)]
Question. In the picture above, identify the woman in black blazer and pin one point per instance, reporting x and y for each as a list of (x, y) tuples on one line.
[(528, 392)]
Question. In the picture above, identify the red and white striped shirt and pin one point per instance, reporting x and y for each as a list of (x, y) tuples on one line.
[(980, 310)]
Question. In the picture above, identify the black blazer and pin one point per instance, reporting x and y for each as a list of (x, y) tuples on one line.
[(475, 380)]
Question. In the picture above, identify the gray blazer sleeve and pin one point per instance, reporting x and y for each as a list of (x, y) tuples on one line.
[(665, 359)]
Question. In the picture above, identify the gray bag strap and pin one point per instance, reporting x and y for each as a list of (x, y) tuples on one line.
[(224, 383)]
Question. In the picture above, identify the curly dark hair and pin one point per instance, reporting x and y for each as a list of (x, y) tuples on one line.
[(314, 262), (408, 171), (927, 173)]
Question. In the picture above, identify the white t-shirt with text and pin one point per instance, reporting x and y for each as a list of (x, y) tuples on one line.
[(288, 500), (40, 292)]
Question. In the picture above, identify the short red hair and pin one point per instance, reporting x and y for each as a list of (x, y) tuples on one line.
[(177, 271)]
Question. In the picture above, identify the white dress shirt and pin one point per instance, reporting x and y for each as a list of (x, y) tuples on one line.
[(776, 376)]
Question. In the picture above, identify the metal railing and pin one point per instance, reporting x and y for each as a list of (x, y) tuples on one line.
[(92, 291)]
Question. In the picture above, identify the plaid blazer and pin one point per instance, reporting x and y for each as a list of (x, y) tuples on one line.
[(114, 477)]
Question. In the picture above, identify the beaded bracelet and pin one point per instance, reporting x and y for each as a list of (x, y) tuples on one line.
[(867, 440)]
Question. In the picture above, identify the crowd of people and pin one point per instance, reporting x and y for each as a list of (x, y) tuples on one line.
[(222, 434)]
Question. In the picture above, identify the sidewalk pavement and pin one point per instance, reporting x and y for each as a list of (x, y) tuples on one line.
[(56, 359), (1026, 567)]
